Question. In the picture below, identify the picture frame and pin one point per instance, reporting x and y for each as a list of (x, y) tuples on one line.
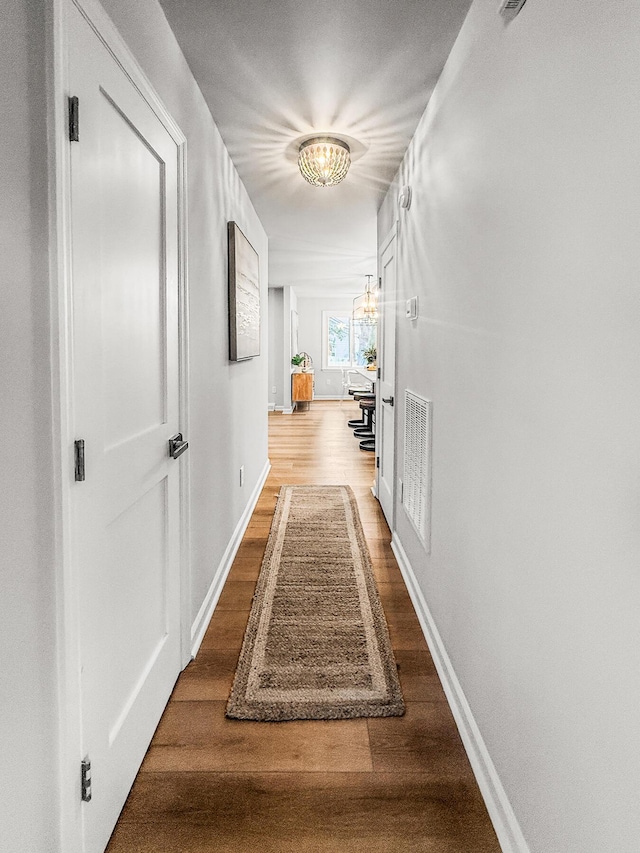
[(244, 296)]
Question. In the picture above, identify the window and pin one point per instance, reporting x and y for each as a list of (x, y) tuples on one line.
[(344, 340)]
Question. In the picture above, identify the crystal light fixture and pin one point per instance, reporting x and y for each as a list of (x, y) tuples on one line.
[(365, 307), (324, 160)]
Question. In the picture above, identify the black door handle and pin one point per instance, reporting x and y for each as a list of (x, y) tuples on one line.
[(388, 400), (177, 446)]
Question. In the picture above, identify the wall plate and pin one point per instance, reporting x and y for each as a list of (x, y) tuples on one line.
[(411, 308), (404, 199)]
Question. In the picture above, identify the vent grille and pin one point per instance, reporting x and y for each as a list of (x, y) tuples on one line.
[(510, 8), (416, 492)]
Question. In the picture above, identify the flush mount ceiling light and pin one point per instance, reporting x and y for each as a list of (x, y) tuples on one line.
[(324, 160)]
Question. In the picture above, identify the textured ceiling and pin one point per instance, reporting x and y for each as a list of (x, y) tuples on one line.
[(274, 71)]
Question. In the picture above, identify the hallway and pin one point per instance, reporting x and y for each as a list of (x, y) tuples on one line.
[(390, 784)]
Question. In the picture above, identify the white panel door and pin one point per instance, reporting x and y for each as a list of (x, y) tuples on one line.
[(385, 386), (125, 338)]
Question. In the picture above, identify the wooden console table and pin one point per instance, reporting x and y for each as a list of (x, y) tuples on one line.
[(302, 388)]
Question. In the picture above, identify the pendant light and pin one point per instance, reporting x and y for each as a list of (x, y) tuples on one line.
[(365, 307)]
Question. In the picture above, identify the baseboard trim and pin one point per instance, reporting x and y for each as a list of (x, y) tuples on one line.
[(271, 407), (201, 622), (500, 811)]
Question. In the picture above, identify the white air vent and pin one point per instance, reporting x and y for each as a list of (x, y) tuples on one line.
[(416, 493), (510, 8)]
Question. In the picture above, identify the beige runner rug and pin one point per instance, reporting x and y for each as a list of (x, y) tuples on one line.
[(316, 645)]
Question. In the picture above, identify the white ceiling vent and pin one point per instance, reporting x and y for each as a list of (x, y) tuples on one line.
[(510, 8), (416, 487)]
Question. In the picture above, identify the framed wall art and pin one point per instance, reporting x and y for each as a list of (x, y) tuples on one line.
[(244, 296)]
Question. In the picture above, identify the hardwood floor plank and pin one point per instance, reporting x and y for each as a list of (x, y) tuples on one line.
[(226, 630), (250, 550), (245, 570), (418, 677), (236, 595), (395, 598), (381, 548), (197, 736), (405, 631), (208, 677), (385, 571), (421, 741), (315, 811)]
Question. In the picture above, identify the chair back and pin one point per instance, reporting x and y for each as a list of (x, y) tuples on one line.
[(354, 381)]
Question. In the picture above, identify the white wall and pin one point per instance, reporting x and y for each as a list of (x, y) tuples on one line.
[(522, 245), (289, 305), (283, 302), (276, 351), (28, 739), (228, 401), (328, 383)]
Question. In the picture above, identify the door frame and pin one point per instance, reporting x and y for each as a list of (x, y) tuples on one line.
[(392, 234), (69, 719)]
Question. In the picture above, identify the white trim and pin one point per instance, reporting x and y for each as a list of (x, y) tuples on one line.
[(391, 233), (69, 692), (201, 622), (285, 411), (271, 407), (184, 404), (102, 25), (500, 810), (331, 397)]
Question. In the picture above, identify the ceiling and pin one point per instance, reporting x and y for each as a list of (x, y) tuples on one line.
[(275, 71)]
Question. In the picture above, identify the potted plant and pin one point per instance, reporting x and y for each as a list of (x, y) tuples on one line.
[(297, 361), (370, 354)]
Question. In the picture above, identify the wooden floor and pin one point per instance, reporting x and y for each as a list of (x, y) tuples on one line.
[(376, 785)]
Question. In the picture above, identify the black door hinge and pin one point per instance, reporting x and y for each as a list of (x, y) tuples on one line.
[(377, 461), (79, 460), (74, 119), (85, 780)]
